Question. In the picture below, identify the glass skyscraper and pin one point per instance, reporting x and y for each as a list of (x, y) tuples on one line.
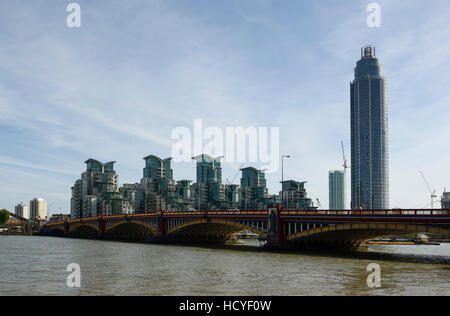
[(369, 134), (336, 182)]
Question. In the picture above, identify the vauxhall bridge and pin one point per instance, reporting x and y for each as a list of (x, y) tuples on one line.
[(327, 229)]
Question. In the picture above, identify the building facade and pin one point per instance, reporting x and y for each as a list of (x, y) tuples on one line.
[(22, 210), (59, 218), (253, 189), (336, 186), (38, 209), (296, 197), (445, 201), (97, 192), (209, 190), (157, 185), (369, 134)]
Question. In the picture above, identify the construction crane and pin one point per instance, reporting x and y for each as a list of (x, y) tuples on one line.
[(432, 193), (318, 203), (345, 160), (234, 178)]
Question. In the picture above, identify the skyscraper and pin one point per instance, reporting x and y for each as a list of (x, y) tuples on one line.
[(336, 183), (38, 209), (22, 210), (445, 201), (369, 134)]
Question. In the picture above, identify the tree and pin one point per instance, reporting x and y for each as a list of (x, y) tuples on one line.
[(4, 217)]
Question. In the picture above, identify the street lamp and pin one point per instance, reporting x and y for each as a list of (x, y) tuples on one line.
[(282, 178)]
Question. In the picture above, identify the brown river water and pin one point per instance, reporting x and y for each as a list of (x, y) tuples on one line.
[(37, 266)]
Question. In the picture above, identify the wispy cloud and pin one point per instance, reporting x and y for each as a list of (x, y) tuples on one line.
[(116, 88)]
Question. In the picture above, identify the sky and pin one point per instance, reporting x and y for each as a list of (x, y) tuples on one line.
[(116, 88)]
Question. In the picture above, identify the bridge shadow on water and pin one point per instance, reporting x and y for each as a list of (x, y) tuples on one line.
[(361, 254)]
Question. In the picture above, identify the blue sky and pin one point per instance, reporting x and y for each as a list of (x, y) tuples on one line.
[(115, 88)]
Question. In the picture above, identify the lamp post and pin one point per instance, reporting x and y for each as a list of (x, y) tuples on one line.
[(282, 177)]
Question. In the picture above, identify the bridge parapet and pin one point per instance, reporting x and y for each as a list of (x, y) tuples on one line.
[(402, 212)]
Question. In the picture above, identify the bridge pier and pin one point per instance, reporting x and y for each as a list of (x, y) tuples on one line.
[(66, 228), (162, 231), (275, 233)]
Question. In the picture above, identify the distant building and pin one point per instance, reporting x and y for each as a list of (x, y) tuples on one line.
[(445, 201), (186, 194), (233, 196), (336, 184), (369, 134), (135, 196), (97, 192), (158, 186), (22, 210), (38, 209), (296, 197), (158, 190), (59, 218), (209, 169), (253, 189), (156, 167), (209, 190)]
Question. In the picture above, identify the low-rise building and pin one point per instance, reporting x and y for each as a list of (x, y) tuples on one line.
[(59, 218)]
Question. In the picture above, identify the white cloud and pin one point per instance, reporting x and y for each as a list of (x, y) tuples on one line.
[(115, 91)]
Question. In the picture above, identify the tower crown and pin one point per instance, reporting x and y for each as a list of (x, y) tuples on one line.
[(368, 51)]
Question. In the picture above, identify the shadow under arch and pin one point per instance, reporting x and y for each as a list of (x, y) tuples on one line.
[(56, 231), (350, 236), (212, 230), (82, 226), (83, 231), (126, 230)]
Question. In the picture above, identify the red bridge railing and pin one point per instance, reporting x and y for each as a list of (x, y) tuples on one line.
[(399, 212)]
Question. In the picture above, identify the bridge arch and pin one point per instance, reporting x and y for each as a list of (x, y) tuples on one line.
[(56, 231), (352, 235), (83, 230), (210, 230), (130, 230), (82, 226)]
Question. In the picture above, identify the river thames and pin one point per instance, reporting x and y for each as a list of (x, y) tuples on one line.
[(37, 266)]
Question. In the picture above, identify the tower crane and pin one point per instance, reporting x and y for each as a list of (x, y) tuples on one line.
[(432, 193), (318, 203), (234, 178), (343, 156)]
